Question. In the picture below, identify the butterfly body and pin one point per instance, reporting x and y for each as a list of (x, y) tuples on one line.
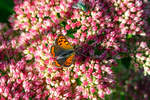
[(62, 52)]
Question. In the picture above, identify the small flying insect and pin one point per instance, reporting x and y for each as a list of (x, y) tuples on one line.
[(80, 5)]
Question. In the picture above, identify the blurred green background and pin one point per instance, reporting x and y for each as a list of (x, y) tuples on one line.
[(6, 9)]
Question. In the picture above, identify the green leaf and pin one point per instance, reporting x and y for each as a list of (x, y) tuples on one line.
[(126, 61), (103, 33), (71, 35), (58, 15), (46, 98), (90, 41), (71, 31), (129, 36), (47, 17), (63, 24), (97, 51), (78, 81), (2, 73), (6, 58), (30, 61), (46, 45)]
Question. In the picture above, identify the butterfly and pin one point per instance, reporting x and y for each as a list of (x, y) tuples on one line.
[(80, 5), (62, 52)]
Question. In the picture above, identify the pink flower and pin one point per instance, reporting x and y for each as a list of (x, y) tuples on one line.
[(78, 23), (99, 76), (83, 28), (89, 19), (13, 42), (90, 70), (122, 25), (85, 83), (92, 90), (133, 26), (101, 94), (85, 95), (93, 23), (73, 25), (130, 5), (138, 3), (80, 89), (76, 35), (38, 96), (48, 80), (133, 9), (1, 89), (82, 67), (69, 22), (2, 98), (107, 91), (49, 70), (132, 16), (64, 32), (66, 78), (50, 98), (19, 81), (29, 57), (95, 28), (75, 76), (67, 27), (76, 69)]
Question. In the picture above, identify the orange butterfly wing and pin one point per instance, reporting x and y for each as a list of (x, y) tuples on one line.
[(52, 51), (53, 54), (69, 60), (56, 63), (63, 42)]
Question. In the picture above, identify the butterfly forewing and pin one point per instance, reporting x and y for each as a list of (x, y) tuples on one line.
[(63, 56), (63, 42)]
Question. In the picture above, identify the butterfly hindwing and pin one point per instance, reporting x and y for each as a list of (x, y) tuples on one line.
[(63, 56), (69, 60)]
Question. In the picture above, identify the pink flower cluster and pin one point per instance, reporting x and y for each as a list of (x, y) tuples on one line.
[(99, 34), (18, 78), (140, 53), (142, 57)]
